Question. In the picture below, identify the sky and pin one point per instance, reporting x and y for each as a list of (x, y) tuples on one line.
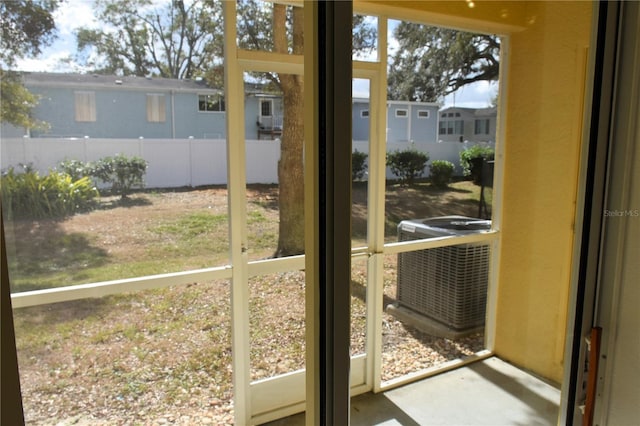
[(73, 14)]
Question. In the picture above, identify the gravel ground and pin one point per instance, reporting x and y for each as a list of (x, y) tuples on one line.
[(131, 367)]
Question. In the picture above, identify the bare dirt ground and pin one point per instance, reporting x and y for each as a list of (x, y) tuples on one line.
[(164, 356)]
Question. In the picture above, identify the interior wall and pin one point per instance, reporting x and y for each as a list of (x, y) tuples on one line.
[(544, 109)]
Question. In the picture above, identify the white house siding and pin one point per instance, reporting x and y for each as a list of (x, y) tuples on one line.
[(468, 116)]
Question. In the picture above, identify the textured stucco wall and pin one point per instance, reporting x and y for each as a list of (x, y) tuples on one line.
[(544, 105)]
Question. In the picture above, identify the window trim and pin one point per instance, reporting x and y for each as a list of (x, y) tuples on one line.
[(398, 113), (85, 113), (268, 102), (481, 126), (364, 113), (423, 117), (220, 100), (450, 127)]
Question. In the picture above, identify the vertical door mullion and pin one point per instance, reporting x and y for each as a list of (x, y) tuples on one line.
[(375, 224), (236, 187), (497, 194), (311, 219)]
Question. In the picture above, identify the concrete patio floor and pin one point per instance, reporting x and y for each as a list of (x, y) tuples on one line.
[(488, 392)]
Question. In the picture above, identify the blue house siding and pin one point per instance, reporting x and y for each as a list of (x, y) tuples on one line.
[(404, 128), (121, 111), (397, 127), (360, 124), (424, 122), (11, 131), (190, 122), (56, 107), (121, 114)]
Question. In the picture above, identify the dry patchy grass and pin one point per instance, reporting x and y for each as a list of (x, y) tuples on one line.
[(164, 356)]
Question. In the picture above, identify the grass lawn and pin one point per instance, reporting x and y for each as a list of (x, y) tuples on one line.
[(165, 354)]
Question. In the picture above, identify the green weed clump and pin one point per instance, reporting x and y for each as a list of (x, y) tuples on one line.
[(57, 194)]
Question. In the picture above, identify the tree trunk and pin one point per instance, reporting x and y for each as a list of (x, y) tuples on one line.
[(290, 166)]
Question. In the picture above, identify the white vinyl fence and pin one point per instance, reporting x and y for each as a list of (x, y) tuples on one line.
[(182, 162)]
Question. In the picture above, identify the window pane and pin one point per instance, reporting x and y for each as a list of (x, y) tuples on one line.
[(430, 318), (459, 127), (277, 316), (358, 306), (360, 162), (365, 38), (122, 359), (410, 342), (152, 232), (265, 108), (211, 103), (270, 26), (128, 359), (274, 172)]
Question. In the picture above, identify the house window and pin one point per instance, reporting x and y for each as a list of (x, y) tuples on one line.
[(423, 113), (364, 113), (451, 127), (482, 127), (156, 108), (266, 108), (85, 106), (401, 113), (211, 103)]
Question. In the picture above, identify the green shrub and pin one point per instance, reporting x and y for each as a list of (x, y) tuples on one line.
[(407, 165), (121, 172), (358, 165), (471, 161), (75, 168), (441, 172), (29, 195)]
